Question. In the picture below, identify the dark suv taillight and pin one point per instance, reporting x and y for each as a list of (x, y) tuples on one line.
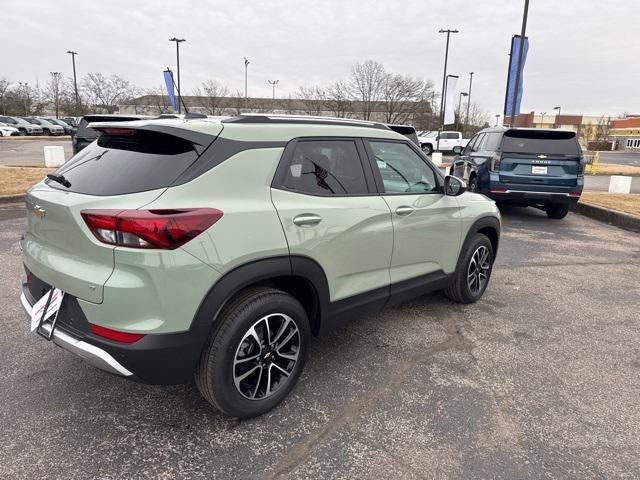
[(162, 229), (494, 164)]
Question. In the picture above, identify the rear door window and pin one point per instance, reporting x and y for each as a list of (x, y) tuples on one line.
[(117, 165), (540, 142), (325, 167), (492, 142)]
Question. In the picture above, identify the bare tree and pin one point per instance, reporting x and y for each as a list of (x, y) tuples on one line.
[(54, 90), (311, 99), (105, 92), (4, 87), (338, 100), (212, 97), (157, 98), (366, 84), (478, 119), (399, 96)]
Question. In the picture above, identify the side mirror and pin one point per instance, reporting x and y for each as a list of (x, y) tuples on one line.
[(453, 186), (457, 150)]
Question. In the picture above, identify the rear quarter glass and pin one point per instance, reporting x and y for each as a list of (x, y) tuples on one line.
[(128, 164)]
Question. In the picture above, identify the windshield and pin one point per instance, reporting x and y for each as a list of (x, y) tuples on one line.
[(542, 142), (42, 121), (429, 134), (21, 121)]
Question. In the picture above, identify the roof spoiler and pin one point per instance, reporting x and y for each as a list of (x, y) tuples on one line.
[(200, 141)]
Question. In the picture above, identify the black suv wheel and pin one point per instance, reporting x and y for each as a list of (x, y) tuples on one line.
[(255, 356), (427, 149), (473, 271), (557, 211)]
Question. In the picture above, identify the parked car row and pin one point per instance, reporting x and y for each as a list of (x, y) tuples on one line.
[(34, 126)]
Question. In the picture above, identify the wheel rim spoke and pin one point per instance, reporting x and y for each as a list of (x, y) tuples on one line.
[(266, 356), (478, 269)]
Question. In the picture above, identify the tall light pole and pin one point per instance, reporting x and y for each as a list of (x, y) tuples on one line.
[(444, 82), (466, 122), (497, 118), (462, 94), (523, 33), (55, 83), (559, 110), (542, 114), (178, 42), (75, 80), (273, 84), (24, 88), (246, 69)]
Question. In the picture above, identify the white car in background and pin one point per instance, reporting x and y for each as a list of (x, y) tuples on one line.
[(448, 140), (8, 131)]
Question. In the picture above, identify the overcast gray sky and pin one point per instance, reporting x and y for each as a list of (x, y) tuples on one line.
[(584, 54)]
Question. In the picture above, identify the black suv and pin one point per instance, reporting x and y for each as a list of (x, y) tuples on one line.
[(539, 168)]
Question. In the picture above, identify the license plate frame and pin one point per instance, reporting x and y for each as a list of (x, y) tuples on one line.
[(44, 309), (539, 170)]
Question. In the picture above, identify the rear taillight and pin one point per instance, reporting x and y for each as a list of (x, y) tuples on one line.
[(574, 194), (163, 229), (494, 164), (115, 335)]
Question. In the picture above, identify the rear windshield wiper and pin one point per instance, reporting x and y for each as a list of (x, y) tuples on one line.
[(59, 179)]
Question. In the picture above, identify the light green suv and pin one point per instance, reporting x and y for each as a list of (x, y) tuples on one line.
[(181, 247)]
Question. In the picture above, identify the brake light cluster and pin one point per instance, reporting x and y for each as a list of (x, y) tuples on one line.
[(495, 159), (160, 229)]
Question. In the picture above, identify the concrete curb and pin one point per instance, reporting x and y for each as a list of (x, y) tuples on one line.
[(606, 215), (19, 198)]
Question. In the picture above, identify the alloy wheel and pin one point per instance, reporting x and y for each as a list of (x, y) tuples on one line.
[(478, 270), (266, 356)]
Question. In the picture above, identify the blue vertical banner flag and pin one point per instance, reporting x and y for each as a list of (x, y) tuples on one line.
[(168, 80), (511, 78)]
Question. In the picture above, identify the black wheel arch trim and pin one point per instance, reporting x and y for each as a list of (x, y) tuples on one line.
[(482, 223)]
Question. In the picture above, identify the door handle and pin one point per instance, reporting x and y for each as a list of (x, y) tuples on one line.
[(404, 210), (307, 219)]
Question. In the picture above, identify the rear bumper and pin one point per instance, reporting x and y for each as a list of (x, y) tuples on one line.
[(155, 359), (527, 197)]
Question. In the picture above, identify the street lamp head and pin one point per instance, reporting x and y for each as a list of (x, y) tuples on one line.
[(72, 52), (447, 31), (246, 61), (464, 94), (556, 108), (177, 40)]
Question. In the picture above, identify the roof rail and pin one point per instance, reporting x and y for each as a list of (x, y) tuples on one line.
[(305, 119)]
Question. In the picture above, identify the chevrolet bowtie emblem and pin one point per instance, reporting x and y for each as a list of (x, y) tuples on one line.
[(38, 211), (542, 156)]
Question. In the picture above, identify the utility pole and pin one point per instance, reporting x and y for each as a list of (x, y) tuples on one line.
[(55, 83), (75, 80), (462, 94), (559, 110), (466, 122), (497, 118), (246, 84), (273, 84), (178, 42), (24, 88), (444, 82), (542, 114), (523, 33)]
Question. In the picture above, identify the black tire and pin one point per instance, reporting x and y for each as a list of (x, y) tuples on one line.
[(460, 291), (23, 132), (46, 132), (473, 183), (427, 149), (557, 211), (215, 373)]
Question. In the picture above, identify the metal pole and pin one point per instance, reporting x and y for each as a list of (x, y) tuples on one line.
[(444, 83), (273, 84), (466, 122), (178, 42), (56, 79), (523, 33), (75, 80)]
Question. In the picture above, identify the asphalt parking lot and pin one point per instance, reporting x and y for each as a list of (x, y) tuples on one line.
[(540, 379)]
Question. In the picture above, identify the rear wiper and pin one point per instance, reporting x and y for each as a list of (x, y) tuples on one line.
[(60, 179)]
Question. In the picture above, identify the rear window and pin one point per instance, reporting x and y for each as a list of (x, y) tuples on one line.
[(547, 142), (118, 165)]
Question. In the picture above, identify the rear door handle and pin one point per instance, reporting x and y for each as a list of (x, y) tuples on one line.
[(404, 210), (307, 219)]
